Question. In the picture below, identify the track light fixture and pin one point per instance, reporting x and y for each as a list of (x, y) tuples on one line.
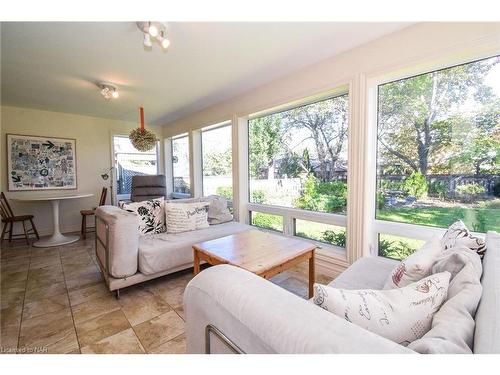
[(154, 31), (108, 90)]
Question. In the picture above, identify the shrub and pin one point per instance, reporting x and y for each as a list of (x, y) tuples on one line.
[(438, 189), (380, 200), (395, 249), (468, 191), (323, 196), (335, 238), (225, 191), (259, 196), (496, 189), (415, 185), (267, 221)]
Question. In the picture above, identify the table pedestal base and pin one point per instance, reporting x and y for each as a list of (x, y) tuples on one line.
[(56, 240)]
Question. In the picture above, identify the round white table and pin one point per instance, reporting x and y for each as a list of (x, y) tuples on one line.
[(57, 238)]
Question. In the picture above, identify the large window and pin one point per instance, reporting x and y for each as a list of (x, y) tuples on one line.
[(216, 146), (131, 162), (180, 164), (438, 149), (298, 157), (298, 160)]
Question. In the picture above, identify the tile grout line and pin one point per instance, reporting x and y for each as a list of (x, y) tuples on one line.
[(163, 343), (69, 302), (24, 299)]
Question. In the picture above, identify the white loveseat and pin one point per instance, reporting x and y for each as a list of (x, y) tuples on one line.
[(231, 310), (127, 258)]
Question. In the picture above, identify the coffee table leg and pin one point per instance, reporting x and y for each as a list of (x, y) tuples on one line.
[(312, 275), (196, 266)]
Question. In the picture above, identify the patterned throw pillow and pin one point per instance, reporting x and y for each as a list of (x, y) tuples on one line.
[(151, 213), (417, 266), (184, 217), (401, 315), (458, 234)]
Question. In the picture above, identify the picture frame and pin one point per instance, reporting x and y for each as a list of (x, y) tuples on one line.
[(41, 163)]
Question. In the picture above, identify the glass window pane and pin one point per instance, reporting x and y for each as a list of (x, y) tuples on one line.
[(217, 162), (438, 157), (131, 162), (180, 165), (267, 221), (327, 233), (298, 157), (397, 247)]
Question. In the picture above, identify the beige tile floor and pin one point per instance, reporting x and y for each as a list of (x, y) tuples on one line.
[(54, 300)]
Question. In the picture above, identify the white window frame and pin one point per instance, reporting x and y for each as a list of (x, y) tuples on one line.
[(115, 196), (289, 214), (219, 125), (375, 226), (170, 164)]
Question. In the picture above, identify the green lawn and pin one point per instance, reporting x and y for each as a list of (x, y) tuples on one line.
[(476, 219)]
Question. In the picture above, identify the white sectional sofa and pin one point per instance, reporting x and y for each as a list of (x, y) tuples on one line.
[(231, 310), (127, 258)]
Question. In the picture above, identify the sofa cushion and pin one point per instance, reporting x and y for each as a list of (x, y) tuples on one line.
[(365, 273), (218, 212), (415, 267), (165, 251), (453, 325), (487, 333), (151, 215), (184, 217), (458, 234), (401, 315)]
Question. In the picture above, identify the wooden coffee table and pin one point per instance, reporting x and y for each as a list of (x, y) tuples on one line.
[(262, 253)]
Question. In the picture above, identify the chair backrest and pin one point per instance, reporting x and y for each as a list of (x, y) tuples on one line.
[(104, 193), (5, 210), (148, 187)]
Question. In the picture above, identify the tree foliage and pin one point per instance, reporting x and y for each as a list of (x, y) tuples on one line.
[(422, 119)]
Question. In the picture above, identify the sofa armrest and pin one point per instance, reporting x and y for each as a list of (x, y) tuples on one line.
[(117, 241), (260, 317)]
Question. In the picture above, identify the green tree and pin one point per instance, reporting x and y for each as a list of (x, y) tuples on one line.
[(327, 123), (416, 115), (217, 163), (265, 143)]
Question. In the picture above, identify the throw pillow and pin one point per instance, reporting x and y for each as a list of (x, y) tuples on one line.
[(218, 212), (458, 234), (151, 215), (183, 217), (417, 266), (401, 315)]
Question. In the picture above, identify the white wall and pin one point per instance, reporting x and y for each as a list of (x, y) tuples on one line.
[(93, 156)]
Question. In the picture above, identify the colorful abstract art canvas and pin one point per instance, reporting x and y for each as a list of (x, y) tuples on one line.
[(40, 163)]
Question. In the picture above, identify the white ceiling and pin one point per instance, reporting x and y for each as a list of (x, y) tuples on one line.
[(54, 66)]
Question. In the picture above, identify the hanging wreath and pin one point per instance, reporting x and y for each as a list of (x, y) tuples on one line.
[(141, 138)]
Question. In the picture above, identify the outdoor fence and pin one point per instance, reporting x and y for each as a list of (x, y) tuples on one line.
[(448, 184)]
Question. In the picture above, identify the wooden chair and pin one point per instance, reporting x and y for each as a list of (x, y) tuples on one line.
[(91, 212), (8, 220)]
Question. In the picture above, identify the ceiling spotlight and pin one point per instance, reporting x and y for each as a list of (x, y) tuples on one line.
[(165, 43), (154, 31), (108, 90), (147, 40)]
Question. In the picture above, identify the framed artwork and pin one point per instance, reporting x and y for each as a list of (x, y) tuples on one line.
[(40, 163)]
